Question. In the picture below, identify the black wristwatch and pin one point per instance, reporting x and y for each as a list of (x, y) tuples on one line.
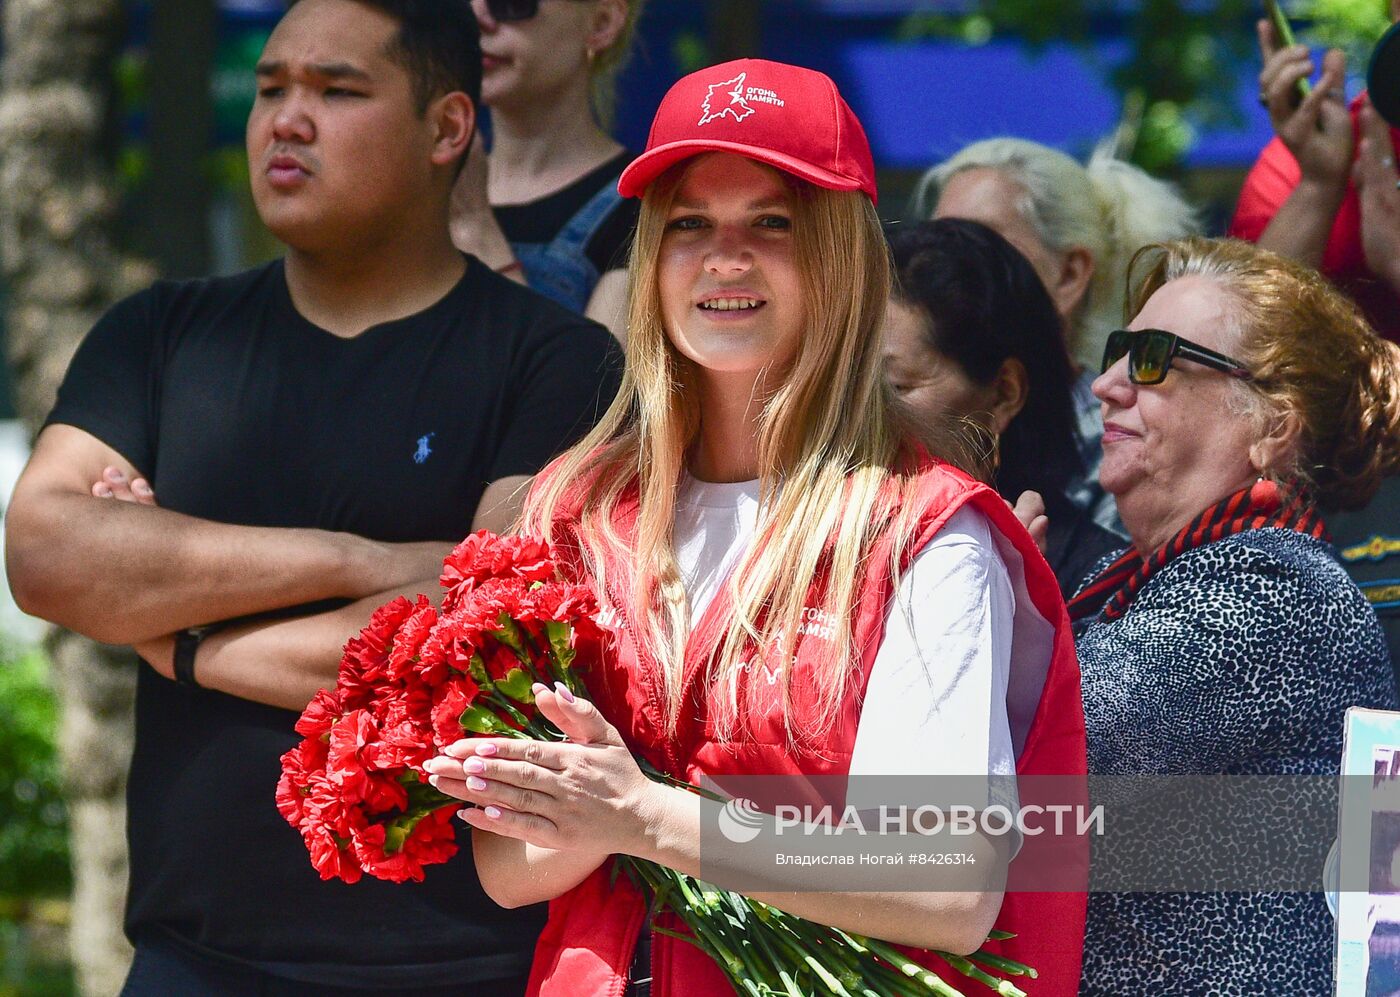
[(187, 643)]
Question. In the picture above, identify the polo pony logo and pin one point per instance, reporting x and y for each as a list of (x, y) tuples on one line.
[(425, 450), (738, 108)]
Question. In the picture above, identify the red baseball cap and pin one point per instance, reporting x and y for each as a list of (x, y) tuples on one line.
[(785, 116)]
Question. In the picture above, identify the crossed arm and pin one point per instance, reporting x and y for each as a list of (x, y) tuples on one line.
[(129, 572)]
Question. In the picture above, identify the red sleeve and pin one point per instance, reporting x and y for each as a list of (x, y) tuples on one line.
[(1272, 178)]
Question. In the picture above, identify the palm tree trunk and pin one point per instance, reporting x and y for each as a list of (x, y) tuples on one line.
[(62, 270)]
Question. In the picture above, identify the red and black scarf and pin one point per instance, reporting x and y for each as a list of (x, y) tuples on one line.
[(1262, 505)]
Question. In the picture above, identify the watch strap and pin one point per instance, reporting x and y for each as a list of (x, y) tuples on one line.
[(186, 646)]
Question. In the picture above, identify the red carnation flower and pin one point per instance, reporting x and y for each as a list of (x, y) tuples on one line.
[(321, 714), (354, 787), (406, 744), (432, 840), (352, 765), (367, 655), (331, 844), (408, 641), (300, 767), (449, 702), (448, 648), (559, 601), (483, 556)]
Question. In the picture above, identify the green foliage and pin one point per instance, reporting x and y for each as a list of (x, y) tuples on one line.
[(33, 820), (1351, 25), (1184, 59), (690, 52)]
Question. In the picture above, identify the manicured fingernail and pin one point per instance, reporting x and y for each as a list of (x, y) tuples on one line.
[(433, 781), (462, 814), (538, 688), (474, 765), (563, 690), (141, 488), (486, 749), (493, 812), (103, 491), (458, 749), (476, 783), (114, 475)]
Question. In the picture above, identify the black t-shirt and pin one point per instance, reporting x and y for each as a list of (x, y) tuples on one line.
[(240, 410), (542, 220)]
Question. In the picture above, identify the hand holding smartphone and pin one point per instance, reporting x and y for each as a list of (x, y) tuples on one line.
[(1284, 32)]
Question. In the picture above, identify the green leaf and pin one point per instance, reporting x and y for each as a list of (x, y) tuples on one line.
[(480, 720), (560, 636), (477, 669), (516, 685)]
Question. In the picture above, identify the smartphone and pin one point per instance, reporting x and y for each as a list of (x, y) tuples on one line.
[(1284, 31)]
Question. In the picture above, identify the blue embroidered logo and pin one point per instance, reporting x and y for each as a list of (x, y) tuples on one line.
[(424, 451)]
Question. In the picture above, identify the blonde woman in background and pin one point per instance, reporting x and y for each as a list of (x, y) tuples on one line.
[(1079, 226), (546, 210)]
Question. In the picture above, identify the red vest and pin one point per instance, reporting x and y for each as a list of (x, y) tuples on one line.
[(587, 945)]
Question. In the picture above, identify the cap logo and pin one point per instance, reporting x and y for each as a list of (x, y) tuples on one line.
[(737, 108)]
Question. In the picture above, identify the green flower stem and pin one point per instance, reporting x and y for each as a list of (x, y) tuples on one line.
[(500, 700), (871, 972), (688, 912), (803, 955), (1008, 966), (656, 775), (533, 656), (789, 984), (704, 919), (738, 980), (913, 970), (1004, 987)]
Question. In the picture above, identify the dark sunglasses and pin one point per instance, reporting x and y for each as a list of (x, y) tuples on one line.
[(1150, 353), (512, 10)]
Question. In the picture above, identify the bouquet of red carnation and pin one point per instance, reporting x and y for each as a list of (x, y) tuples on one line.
[(414, 681)]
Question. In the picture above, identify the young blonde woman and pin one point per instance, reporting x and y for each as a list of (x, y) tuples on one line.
[(546, 210), (802, 589)]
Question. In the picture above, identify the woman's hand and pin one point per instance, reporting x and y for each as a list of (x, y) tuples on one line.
[(1376, 178), (1030, 510), (558, 795), (1316, 130), (474, 226)]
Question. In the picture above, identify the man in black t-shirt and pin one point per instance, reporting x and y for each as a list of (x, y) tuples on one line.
[(317, 432)]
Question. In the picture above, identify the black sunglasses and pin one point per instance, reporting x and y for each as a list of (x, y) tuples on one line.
[(1150, 353), (512, 10)]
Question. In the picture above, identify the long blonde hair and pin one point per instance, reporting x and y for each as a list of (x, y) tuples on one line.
[(832, 458), (605, 66)]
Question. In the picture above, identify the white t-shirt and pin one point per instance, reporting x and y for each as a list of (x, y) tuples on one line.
[(936, 702)]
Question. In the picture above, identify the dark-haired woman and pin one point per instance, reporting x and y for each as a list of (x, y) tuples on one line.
[(972, 333)]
